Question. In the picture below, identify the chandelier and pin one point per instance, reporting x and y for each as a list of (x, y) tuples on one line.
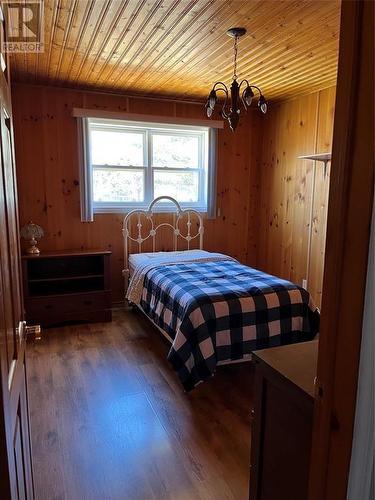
[(236, 96)]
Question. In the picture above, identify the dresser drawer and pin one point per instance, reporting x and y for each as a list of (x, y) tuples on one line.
[(39, 306)]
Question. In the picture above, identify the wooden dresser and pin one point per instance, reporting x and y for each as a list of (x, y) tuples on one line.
[(282, 420), (67, 286)]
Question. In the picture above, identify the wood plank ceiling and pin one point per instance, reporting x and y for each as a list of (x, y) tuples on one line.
[(180, 48)]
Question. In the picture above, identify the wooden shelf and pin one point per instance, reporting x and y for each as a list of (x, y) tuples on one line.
[(65, 253), (66, 278), (324, 157), (71, 285)]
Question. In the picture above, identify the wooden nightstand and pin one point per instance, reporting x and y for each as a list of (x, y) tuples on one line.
[(67, 286)]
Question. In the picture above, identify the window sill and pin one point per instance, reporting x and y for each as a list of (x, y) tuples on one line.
[(113, 209)]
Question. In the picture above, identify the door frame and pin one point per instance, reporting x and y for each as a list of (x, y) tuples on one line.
[(15, 451), (346, 256)]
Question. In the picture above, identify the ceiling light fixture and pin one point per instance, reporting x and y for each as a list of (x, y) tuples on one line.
[(235, 90)]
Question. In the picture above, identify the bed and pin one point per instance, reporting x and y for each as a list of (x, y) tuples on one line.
[(212, 309)]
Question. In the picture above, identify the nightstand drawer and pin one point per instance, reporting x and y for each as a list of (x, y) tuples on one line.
[(68, 303)]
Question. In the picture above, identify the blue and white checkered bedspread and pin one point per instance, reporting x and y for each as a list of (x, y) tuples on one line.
[(220, 311)]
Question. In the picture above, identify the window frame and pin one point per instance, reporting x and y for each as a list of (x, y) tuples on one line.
[(149, 130)]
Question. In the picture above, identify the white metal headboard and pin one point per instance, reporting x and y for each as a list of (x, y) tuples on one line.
[(135, 215)]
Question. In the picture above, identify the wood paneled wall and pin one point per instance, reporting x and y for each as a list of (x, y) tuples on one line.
[(265, 194), (48, 176), (289, 197)]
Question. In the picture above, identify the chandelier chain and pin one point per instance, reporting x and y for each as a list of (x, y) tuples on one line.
[(235, 58)]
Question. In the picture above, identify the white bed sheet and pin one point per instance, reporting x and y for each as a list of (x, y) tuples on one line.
[(140, 259)]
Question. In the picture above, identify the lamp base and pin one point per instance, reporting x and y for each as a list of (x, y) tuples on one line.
[(34, 250)]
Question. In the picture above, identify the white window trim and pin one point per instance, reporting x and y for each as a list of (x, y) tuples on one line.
[(207, 136), (142, 118), (85, 174)]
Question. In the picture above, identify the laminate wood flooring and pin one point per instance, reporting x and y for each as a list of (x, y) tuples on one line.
[(110, 420)]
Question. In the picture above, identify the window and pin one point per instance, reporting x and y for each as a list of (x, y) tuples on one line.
[(131, 163)]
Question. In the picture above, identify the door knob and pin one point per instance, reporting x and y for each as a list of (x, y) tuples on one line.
[(35, 331)]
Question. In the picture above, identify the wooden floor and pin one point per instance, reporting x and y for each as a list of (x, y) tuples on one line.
[(110, 420)]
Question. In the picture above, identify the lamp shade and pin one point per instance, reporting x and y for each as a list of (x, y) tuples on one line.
[(248, 96), (31, 231), (262, 103), (212, 99)]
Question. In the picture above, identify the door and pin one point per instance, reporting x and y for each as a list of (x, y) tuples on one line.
[(346, 256), (15, 454)]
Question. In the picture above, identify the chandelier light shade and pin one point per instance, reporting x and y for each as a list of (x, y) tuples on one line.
[(239, 92)]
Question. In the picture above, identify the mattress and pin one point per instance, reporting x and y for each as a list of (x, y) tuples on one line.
[(141, 259)]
